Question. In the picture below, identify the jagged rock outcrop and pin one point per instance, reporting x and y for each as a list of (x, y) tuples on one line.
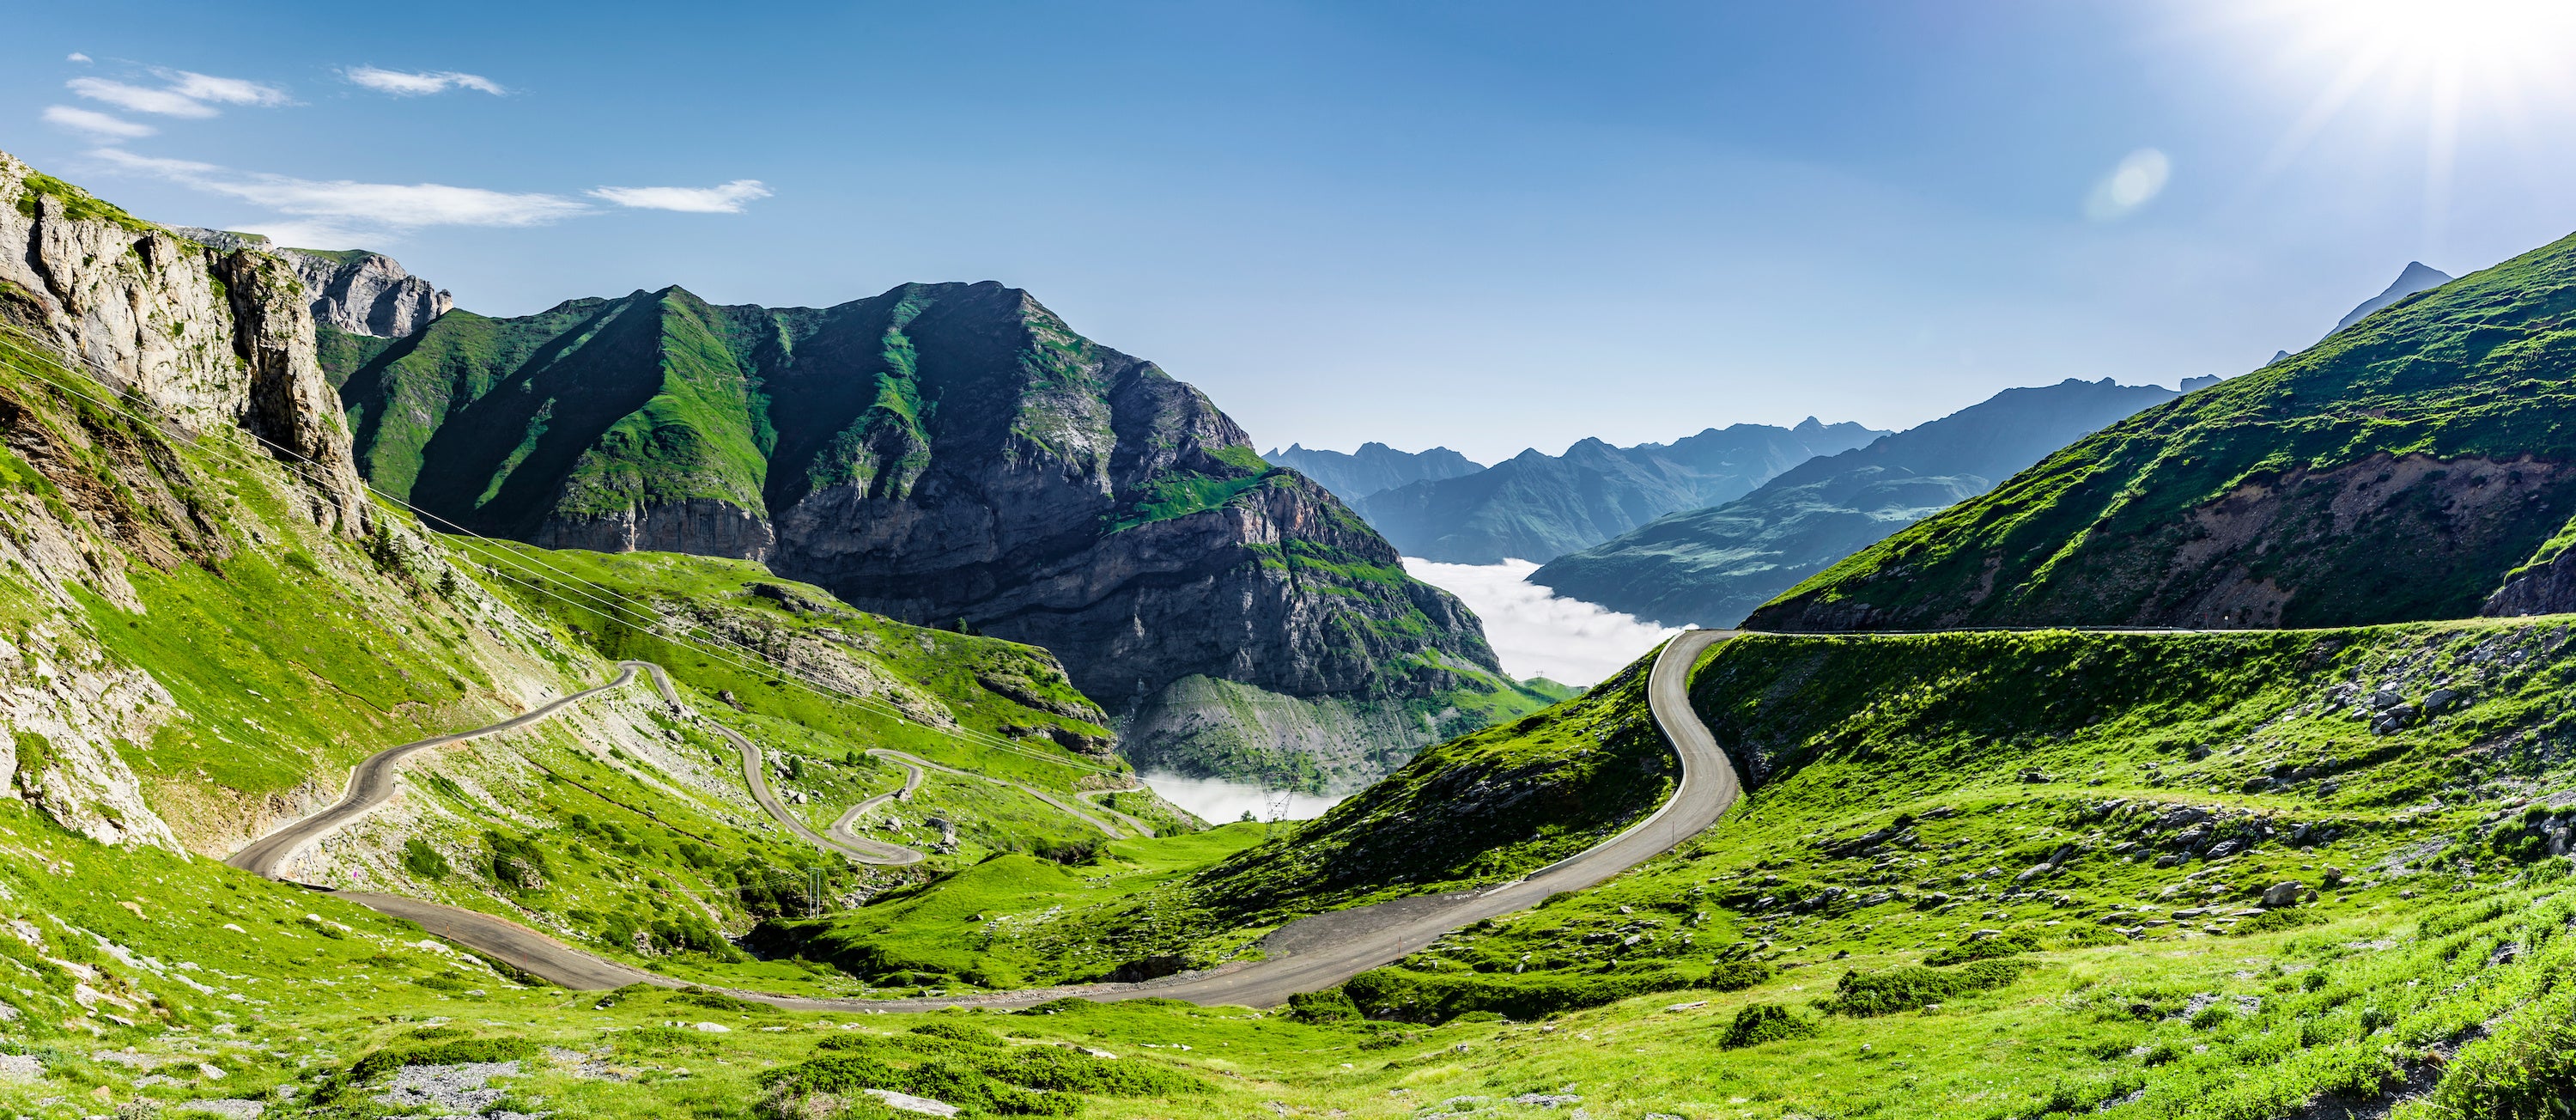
[(367, 293), (211, 337), (946, 454), (350, 290)]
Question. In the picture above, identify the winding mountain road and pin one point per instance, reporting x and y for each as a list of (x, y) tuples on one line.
[(371, 782), (1305, 955)]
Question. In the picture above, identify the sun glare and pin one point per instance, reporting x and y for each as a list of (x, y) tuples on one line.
[(2441, 66)]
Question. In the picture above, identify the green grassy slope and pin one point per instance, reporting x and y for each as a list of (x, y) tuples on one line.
[(2105, 812), (2397, 470)]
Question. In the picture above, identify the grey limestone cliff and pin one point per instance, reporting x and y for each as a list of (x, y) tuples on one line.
[(212, 336)]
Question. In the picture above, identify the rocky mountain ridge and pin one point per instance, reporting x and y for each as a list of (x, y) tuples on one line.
[(353, 291), (1536, 506), (946, 454), (1352, 476), (1713, 566)]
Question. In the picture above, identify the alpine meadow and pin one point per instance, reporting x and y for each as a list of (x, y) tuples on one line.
[(1947, 673)]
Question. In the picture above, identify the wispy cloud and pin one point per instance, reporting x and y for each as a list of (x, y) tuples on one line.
[(96, 124), (345, 205), (402, 83), (184, 94), (141, 99), (230, 91), (726, 199), (76, 56)]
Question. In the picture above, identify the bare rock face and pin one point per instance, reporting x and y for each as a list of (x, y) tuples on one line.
[(700, 526), (211, 337), (367, 293), (351, 290)]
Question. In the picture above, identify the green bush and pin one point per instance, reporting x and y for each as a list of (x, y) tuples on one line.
[(2526, 1072), (716, 1001), (422, 860), (1765, 1022), (1988, 949), (1064, 1070), (459, 1052), (957, 1032), (1415, 997), (2272, 921), (1332, 1005), (1905, 989)]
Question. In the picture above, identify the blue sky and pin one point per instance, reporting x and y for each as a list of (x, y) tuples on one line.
[(1488, 225)]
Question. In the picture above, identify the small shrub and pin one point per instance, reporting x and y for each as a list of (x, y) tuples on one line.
[(1765, 1022), (716, 1001), (1988, 949), (2527, 1072), (454, 1053), (1905, 989), (1332, 1005), (2273, 921), (957, 1032), (422, 860)]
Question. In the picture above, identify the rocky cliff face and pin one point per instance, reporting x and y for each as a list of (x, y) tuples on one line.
[(367, 293), (353, 291), (941, 453), (213, 337)]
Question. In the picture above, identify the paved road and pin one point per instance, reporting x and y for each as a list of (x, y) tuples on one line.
[(1141, 827), (910, 760), (1306, 955), (841, 829), (371, 782)]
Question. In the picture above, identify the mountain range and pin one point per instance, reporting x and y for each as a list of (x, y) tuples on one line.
[(1352, 476), (1711, 567), (951, 455), (1535, 506), (312, 809)]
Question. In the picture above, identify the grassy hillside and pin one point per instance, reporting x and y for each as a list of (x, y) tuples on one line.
[(2398, 470)]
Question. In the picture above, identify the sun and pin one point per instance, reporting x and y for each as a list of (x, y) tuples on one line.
[(2426, 49)]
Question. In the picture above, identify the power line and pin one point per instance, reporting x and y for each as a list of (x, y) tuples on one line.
[(613, 604)]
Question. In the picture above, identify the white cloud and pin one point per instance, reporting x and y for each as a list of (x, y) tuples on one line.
[(76, 56), (96, 124), (407, 84), (230, 91), (140, 99), (2139, 178), (1219, 801), (185, 95), (339, 203), (1535, 631), (727, 199)]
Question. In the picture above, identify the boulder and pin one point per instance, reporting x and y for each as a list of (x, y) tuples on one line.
[(2281, 894)]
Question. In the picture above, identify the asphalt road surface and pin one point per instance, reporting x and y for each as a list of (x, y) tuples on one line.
[(371, 782), (1303, 956)]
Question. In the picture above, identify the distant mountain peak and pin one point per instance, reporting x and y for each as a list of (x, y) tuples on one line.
[(2415, 277)]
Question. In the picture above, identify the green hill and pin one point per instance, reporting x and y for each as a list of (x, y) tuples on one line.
[(2410, 466)]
